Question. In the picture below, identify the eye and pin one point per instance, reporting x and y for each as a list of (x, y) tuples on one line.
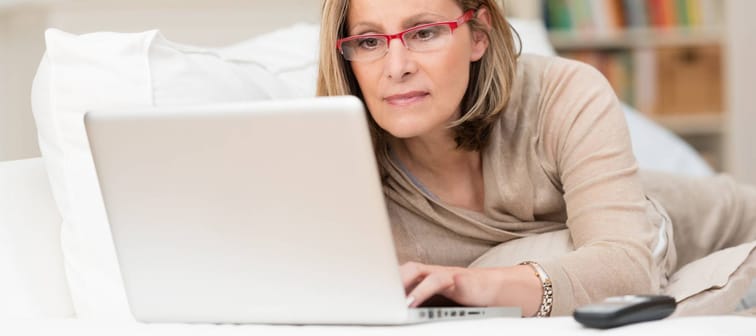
[(425, 33), (368, 43)]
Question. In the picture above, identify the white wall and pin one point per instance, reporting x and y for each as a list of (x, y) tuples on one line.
[(21, 50), (204, 22)]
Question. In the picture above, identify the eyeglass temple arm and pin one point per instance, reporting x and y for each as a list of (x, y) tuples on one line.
[(466, 17)]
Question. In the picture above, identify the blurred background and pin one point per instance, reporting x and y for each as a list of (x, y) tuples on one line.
[(687, 64)]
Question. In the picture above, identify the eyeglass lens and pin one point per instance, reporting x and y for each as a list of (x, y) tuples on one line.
[(420, 39)]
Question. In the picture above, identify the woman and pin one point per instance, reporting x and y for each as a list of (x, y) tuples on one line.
[(480, 147)]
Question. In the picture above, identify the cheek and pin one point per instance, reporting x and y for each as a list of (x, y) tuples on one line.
[(368, 79), (451, 76)]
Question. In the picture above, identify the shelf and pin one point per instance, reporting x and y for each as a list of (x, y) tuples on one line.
[(692, 124), (636, 38)]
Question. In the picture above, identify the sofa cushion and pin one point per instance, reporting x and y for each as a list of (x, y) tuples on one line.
[(31, 266)]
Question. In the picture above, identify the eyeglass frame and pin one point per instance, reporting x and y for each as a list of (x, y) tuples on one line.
[(453, 25)]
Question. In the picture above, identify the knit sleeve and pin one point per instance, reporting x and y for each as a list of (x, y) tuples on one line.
[(585, 135)]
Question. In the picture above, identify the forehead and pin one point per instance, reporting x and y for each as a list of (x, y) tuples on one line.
[(394, 14)]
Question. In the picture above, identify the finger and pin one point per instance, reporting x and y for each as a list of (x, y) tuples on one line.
[(434, 283)]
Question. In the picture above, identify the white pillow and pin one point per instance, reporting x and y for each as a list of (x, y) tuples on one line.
[(101, 70)]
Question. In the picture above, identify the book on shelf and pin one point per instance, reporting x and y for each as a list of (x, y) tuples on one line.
[(603, 16)]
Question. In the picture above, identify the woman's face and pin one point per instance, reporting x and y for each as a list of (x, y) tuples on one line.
[(412, 93)]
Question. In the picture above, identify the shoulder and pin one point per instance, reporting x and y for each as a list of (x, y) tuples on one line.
[(564, 99)]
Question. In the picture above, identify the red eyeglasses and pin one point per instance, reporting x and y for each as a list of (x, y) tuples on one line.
[(422, 38)]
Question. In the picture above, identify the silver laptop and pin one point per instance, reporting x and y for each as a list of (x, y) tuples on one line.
[(266, 212)]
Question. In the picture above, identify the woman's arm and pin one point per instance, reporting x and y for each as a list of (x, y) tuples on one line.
[(585, 135)]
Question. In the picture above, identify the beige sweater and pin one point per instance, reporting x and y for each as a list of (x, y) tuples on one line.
[(560, 156)]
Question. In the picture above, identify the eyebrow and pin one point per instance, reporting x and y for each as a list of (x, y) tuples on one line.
[(407, 23)]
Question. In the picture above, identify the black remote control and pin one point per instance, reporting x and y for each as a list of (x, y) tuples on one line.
[(621, 310)]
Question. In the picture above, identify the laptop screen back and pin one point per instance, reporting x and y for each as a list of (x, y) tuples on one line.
[(258, 212)]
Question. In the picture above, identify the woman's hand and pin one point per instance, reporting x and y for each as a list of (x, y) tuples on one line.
[(481, 287)]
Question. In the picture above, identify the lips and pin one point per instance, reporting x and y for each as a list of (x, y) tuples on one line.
[(406, 98)]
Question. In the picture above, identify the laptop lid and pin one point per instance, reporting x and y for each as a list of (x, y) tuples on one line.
[(258, 212)]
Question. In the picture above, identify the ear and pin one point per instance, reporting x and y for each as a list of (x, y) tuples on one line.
[(479, 38)]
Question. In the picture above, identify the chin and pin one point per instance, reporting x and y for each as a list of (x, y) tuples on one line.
[(405, 131), (407, 123)]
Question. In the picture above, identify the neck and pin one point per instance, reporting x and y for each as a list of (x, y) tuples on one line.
[(453, 175), (436, 156)]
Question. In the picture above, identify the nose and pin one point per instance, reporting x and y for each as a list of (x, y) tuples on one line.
[(399, 61)]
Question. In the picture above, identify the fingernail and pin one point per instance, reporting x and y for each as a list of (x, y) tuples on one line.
[(410, 300)]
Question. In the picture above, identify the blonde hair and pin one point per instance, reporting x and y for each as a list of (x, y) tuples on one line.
[(490, 78)]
